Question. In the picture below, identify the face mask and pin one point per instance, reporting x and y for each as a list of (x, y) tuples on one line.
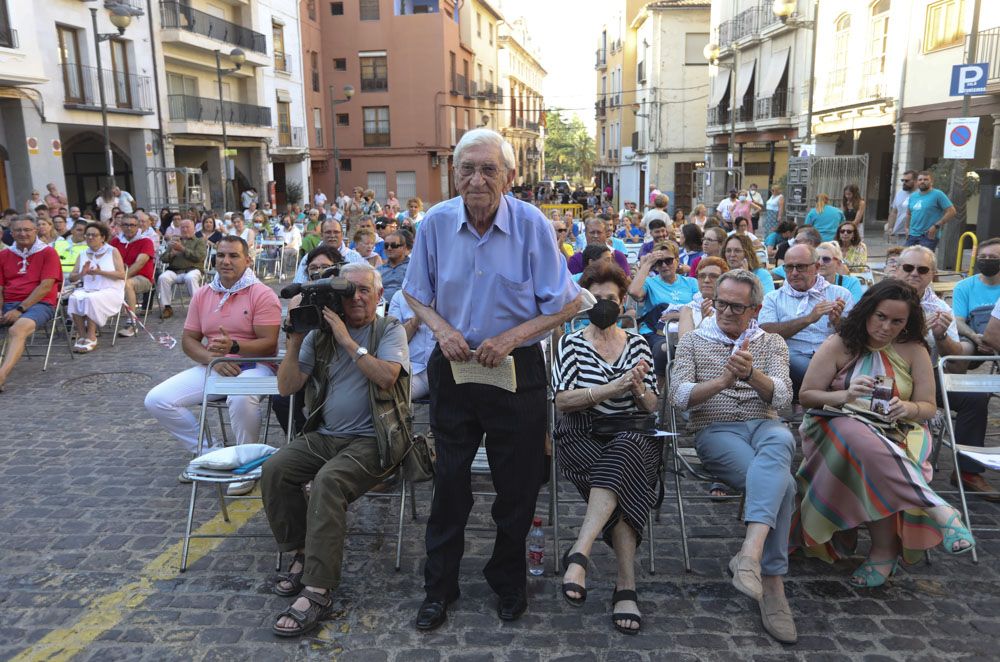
[(988, 267), (604, 313), (743, 198)]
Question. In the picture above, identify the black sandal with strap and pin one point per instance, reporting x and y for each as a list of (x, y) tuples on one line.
[(616, 617), (293, 578), (582, 561), (319, 608)]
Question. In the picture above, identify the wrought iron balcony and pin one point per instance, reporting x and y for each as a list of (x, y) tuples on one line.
[(176, 15), (718, 116), (602, 59), (773, 107), (459, 84), (122, 91), (531, 126), (988, 50), (201, 109), (292, 137)]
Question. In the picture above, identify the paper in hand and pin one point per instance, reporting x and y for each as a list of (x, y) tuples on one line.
[(472, 372)]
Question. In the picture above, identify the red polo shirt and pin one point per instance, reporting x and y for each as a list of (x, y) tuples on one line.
[(131, 252), (42, 265)]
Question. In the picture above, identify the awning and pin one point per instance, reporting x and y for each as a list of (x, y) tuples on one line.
[(720, 85), (775, 70), (743, 81), (284, 96)]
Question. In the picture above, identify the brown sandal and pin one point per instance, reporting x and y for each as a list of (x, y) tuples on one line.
[(307, 620), (293, 578)]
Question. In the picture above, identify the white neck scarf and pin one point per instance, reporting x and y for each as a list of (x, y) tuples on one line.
[(931, 302), (809, 297), (246, 280), (95, 255), (709, 330), (25, 254)]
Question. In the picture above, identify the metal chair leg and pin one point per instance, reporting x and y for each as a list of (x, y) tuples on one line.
[(554, 488), (413, 501), (222, 502), (652, 544), (222, 424), (402, 511), (187, 527), (680, 505)]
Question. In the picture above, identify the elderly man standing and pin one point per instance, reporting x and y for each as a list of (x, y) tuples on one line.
[(184, 261), (30, 278), (486, 278), (805, 310), (732, 376), (333, 235), (917, 268), (357, 371)]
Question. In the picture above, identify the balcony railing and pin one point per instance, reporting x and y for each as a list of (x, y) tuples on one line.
[(8, 38), (498, 97), (201, 109), (600, 109), (293, 137), (531, 126), (747, 23), (745, 112), (772, 107), (718, 116), (520, 122), (122, 91), (179, 16), (602, 59), (459, 84), (988, 50), (374, 84), (283, 62)]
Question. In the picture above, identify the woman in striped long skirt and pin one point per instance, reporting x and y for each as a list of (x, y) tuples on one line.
[(602, 369)]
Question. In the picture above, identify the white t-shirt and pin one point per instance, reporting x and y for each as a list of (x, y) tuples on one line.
[(125, 202), (901, 204), (319, 199), (726, 208)]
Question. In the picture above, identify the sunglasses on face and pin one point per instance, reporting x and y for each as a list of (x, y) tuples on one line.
[(388, 245), (922, 270), (826, 259), (561, 231), (847, 231)]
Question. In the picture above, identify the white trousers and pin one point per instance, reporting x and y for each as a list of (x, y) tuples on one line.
[(168, 403), (165, 284), (419, 386)]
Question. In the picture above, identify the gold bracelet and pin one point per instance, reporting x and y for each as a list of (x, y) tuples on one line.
[(590, 394)]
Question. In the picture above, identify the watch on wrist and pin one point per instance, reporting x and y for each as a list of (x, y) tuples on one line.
[(19, 308), (359, 352), (234, 348)]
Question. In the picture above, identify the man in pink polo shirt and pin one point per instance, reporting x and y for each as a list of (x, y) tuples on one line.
[(234, 315), (30, 277), (139, 255)]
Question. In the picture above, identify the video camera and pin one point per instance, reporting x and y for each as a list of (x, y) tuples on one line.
[(317, 295)]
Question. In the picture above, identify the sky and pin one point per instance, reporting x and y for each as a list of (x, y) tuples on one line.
[(565, 32)]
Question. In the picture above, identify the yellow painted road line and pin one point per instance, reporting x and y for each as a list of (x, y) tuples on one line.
[(106, 611)]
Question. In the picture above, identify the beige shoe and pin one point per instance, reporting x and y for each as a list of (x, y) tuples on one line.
[(241, 489), (776, 616), (746, 576)]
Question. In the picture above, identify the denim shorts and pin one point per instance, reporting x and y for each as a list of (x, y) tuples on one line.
[(41, 313)]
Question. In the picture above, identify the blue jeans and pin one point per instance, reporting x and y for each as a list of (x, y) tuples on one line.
[(757, 457), (798, 363), (922, 240), (41, 313)]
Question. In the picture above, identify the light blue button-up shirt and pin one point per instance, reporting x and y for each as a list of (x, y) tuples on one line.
[(485, 285), (780, 306)]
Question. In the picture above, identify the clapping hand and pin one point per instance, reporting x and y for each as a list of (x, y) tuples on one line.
[(637, 378), (822, 308), (836, 311), (939, 323), (707, 308), (740, 363), (176, 246)]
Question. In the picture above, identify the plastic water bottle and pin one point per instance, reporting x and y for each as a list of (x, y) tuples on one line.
[(536, 548)]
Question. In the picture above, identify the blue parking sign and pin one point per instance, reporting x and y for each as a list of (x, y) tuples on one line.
[(969, 79)]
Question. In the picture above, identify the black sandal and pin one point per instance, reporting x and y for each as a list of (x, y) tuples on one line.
[(308, 620), (582, 561), (619, 596), (293, 578)]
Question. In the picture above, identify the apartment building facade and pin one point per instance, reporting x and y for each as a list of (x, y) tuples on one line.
[(523, 122), (479, 27)]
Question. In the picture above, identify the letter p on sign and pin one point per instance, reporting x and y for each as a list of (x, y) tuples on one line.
[(969, 79)]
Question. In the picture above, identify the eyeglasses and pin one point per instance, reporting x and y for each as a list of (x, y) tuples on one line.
[(798, 267), (709, 276), (736, 308), (922, 270), (826, 259), (488, 171), (388, 245), (847, 231), (128, 225), (92, 235), (561, 231)]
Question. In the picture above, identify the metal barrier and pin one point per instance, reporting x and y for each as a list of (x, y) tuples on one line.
[(576, 209), (810, 175), (961, 250), (709, 185)]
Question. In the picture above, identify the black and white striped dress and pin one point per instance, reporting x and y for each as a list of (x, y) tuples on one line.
[(627, 465)]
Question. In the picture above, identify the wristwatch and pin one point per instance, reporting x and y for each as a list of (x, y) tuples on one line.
[(19, 308), (359, 352), (234, 348)]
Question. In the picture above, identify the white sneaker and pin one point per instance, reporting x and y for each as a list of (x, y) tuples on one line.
[(127, 332), (241, 489)]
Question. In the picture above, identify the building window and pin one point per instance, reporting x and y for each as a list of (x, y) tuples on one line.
[(345, 165), (314, 69), (377, 182), (336, 8), (873, 80), (7, 39), (479, 25), (317, 127), (489, 28), (694, 44), (408, 7), (944, 25), (838, 70), (374, 74), (340, 63), (376, 127), (311, 9), (406, 185), (69, 60), (284, 124), (343, 119), (278, 39), (120, 73), (369, 10)]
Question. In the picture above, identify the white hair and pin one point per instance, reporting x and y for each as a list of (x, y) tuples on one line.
[(363, 267), (486, 137), (924, 252)]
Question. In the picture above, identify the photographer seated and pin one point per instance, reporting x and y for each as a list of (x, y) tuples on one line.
[(234, 315), (342, 451), (321, 262)]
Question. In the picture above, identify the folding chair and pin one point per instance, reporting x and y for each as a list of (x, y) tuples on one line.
[(56, 325), (217, 385), (269, 252), (964, 383)]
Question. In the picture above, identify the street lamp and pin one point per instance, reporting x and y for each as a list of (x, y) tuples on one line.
[(348, 93), (238, 57), (784, 11), (711, 53), (121, 18)]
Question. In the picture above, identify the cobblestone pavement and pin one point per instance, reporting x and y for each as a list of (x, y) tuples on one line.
[(91, 515)]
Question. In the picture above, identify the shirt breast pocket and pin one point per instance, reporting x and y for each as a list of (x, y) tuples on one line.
[(515, 300)]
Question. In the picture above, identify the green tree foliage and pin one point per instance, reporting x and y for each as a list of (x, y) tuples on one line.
[(569, 148)]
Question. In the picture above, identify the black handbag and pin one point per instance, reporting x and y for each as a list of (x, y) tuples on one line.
[(606, 427)]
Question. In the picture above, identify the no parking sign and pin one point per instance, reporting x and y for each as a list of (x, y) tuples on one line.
[(960, 137)]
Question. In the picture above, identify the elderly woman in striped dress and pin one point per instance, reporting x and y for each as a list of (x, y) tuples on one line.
[(603, 369)]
